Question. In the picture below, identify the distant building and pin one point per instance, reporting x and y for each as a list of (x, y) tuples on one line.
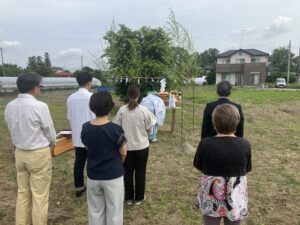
[(242, 67), (62, 73)]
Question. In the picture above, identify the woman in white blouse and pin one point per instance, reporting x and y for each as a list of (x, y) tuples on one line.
[(136, 120)]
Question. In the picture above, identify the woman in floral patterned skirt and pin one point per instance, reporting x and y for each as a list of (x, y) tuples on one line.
[(224, 160)]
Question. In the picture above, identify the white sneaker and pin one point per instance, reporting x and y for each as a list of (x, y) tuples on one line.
[(129, 202), (141, 201), (153, 140)]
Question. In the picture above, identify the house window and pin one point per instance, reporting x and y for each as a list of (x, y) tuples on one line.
[(225, 77), (254, 78), (239, 61), (240, 53), (226, 61), (255, 60)]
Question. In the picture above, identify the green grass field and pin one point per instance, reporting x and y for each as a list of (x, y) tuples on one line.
[(272, 125)]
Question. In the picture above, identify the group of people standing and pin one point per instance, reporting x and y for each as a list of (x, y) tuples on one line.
[(117, 153)]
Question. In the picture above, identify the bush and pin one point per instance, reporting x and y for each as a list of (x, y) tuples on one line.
[(211, 77), (276, 74)]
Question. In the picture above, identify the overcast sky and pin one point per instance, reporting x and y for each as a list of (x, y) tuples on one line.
[(69, 29)]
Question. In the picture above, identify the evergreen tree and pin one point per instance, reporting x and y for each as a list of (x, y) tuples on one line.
[(39, 61), (37, 64), (209, 58), (31, 65), (47, 60), (211, 77)]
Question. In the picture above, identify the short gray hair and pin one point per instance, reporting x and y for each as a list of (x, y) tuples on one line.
[(27, 81)]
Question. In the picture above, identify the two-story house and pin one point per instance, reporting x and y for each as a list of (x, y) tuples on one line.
[(242, 67)]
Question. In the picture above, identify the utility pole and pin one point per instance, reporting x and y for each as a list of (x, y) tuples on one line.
[(289, 64), (3, 70), (81, 60)]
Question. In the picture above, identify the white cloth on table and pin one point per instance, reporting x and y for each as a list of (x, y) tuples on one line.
[(157, 106), (30, 123), (78, 113)]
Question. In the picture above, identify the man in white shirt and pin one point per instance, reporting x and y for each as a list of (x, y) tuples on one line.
[(78, 113), (33, 135)]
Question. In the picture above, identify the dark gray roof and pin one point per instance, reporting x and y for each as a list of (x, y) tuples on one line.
[(252, 51)]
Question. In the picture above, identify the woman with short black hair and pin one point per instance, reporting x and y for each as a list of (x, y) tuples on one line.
[(224, 160), (106, 151)]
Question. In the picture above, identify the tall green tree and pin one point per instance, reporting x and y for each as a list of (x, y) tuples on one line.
[(38, 65), (122, 52), (145, 52), (47, 60), (31, 64), (279, 60), (40, 61), (153, 52), (209, 57), (208, 60)]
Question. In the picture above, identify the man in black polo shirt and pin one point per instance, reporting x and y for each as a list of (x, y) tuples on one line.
[(224, 91)]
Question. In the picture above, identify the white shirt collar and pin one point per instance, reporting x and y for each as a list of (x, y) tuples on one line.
[(26, 96)]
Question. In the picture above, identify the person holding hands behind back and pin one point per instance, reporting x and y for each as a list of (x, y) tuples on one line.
[(136, 120), (224, 160), (106, 151), (223, 91)]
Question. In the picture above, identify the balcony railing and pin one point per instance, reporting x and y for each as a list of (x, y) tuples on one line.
[(239, 68), (227, 68)]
